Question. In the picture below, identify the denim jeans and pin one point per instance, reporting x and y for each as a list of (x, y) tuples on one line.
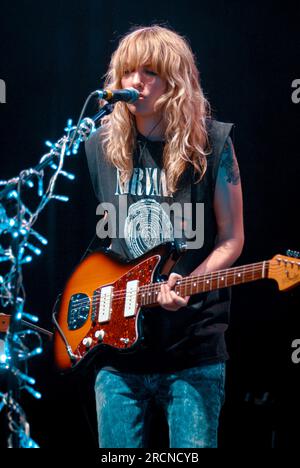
[(191, 398)]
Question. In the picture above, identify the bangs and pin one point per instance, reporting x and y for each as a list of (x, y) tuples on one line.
[(139, 49), (167, 53)]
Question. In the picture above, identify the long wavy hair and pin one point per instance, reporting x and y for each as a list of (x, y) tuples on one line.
[(183, 105)]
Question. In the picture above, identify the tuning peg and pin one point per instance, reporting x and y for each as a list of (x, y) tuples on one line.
[(293, 253)]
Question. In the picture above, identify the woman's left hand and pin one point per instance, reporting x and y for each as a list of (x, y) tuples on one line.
[(167, 297)]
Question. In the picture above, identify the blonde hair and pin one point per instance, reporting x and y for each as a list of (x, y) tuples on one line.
[(183, 105)]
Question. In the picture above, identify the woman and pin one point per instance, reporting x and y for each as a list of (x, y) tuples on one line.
[(161, 149)]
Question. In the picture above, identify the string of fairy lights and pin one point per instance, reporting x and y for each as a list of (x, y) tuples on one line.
[(22, 199)]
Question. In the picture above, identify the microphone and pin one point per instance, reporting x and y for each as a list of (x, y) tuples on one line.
[(127, 94)]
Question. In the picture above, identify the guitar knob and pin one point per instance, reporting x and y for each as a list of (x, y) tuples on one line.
[(99, 334), (87, 342), (125, 340)]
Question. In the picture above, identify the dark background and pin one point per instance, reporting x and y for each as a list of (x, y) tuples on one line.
[(53, 54)]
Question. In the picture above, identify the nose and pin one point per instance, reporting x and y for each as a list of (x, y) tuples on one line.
[(136, 80)]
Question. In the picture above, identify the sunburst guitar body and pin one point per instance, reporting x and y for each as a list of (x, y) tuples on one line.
[(101, 302)]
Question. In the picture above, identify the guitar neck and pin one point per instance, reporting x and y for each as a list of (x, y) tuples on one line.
[(190, 285)]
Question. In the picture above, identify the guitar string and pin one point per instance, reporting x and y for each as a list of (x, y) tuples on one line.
[(183, 281), (152, 287), (186, 282)]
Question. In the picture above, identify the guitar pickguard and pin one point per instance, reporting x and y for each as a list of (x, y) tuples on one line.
[(119, 332)]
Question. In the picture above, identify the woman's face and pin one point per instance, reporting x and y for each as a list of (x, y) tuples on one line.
[(150, 86)]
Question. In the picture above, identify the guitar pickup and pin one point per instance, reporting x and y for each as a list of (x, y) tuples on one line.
[(132, 288), (106, 296)]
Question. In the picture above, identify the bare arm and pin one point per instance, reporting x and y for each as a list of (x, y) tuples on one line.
[(228, 207)]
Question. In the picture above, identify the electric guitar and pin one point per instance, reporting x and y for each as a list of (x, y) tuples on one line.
[(100, 305)]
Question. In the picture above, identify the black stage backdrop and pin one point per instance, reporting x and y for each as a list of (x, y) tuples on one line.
[(53, 54)]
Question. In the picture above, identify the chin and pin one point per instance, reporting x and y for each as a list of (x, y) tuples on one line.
[(138, 108)]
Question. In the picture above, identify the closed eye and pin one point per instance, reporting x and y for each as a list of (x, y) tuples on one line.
[(151, 72)]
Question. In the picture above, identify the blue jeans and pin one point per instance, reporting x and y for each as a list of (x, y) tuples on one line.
[(191, 398)]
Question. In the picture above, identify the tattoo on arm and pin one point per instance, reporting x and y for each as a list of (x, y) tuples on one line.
[(229, 163)]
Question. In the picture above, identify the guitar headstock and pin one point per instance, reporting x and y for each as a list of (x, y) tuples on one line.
[(285, 270)]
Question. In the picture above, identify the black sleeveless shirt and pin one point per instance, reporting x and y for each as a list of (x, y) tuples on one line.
[(194, 334)]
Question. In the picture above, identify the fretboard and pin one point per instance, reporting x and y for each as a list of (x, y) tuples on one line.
[(208, 282)]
